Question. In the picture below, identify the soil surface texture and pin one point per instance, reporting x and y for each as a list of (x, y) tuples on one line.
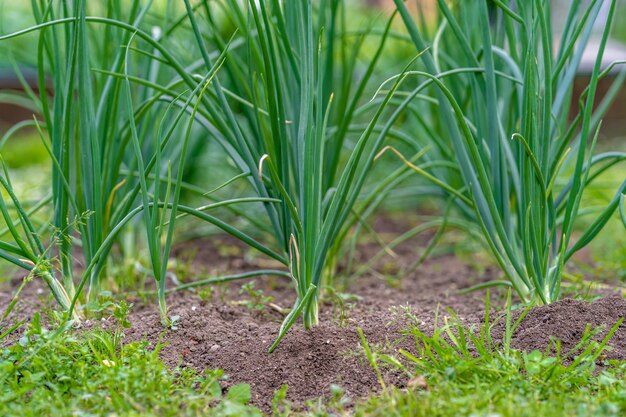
[(223, 329), (235, 338), (566, 321)]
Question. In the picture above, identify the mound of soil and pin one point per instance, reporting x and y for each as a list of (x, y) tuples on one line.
[(566, 320), (229, 338), (232, 337)]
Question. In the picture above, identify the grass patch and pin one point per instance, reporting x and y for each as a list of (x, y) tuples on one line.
[(462, 370), (505, 394), (93, 373)]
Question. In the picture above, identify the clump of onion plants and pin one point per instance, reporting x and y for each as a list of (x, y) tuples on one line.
[(115, 111), (285, 105), (278, 85), (499, 83)]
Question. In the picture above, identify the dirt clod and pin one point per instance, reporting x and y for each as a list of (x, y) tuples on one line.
[(566, 320)]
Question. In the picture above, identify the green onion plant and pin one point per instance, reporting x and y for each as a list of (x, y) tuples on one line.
[(129, 93), (287, 105), (280, 86), (117, 118), (495, 93)]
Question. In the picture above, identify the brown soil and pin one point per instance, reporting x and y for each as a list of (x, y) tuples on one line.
[(219, 331), (231, 337), (566, 321)]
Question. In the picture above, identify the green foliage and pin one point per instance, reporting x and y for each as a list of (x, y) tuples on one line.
[(505, 394), (256, 301), (498, 105), (117, 125), (278, 90), (284, 111), (462, 371), (619, 30), (287, 106), (25, 153), (61, 372)]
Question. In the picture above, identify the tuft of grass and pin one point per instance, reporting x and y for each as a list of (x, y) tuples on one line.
[(62, 372), (257, 301), (504, 394), (461, 370)]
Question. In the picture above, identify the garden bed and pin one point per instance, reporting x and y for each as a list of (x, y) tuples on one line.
[(224, 328)]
